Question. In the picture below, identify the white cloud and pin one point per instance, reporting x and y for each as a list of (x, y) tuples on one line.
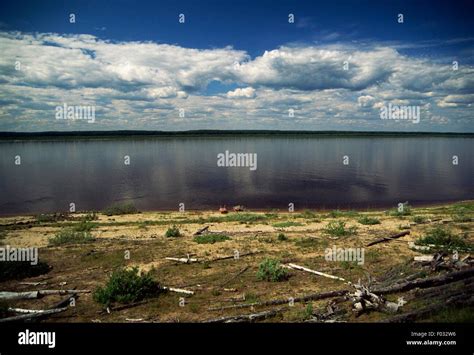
[(248, 93)]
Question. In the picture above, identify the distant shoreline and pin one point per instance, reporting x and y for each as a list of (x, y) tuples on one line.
[(217, 133)]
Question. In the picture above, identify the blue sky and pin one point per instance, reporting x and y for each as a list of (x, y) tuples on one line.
[(236, 64)]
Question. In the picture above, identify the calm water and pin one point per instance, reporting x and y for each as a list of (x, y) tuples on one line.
[(164, 172)]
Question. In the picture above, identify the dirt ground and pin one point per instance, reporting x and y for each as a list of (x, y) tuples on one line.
[(142, 237)]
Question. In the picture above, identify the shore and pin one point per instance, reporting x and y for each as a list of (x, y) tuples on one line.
[(217, 277)]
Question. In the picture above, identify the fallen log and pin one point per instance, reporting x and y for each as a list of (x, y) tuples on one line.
[(311, 297), (183, 260), (386, 239), (202, 230), (28, 295), (248, 317), (427, 282), (319, 273), (178, 290), (31, 316), (232, 256), (235, 276)]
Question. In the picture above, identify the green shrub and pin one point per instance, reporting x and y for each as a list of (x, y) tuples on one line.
[(287, 224), (338, 228), (339, 213), (210, 238), (444, 239), (368, 221), (119, 209), (125, 286), (173, 232), (419, 219), (271, 270), (70, 236), (84, 226), (281, 237)]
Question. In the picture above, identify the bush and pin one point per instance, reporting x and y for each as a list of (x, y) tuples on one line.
[(287, 224), (281, 237), (172, 232), (271, 270), (368, 221), (419, 219), (84, 226), (70, 236), (338, 228), (210, 238), (125, 286), (119, 209), (443, 239)]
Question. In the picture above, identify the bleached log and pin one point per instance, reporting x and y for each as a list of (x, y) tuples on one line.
[(248, 317), (302, 268), (311, 297), (233, 256), (30, 316), (28, 295), (423, 258), (27, 311), (386, 239), (183, 260), (178, 290)]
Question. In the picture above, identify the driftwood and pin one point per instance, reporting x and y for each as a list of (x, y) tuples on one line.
[(311, 297), (232, 256), (178, 290), (319, 273), (248, 317), (184, 260), (386, 239), (427, 282), (234, 277), (28, 295), (202, 230), (30, 316)]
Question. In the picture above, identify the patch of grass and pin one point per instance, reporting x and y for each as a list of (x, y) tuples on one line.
[(372, 256), (405, 211), (84, 226), (271, 270), (287, 224), (119, 209), (173, 232), (210, 238), (70, 236), (251, 298), (311, 243), (462, 213), (125, 286), (90, 216), (17, 270), (339, 213), (45, 218), (444, 239), (419, 219), (243, 217), (338, 229), (307, 214), (454, 315), (369, 221), (281, 237)]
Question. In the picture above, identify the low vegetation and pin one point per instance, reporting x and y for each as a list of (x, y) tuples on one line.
[(172, 232), (71, 236), (338, 229), (287, 224), (369, 221), (210, 238), (271, 270), (119, 209), (125, 286), (443, 239)]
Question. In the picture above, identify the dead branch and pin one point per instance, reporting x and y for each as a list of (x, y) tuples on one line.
[(319, 273), (311, 297), (30, 316), (248, 317), (387, 239), (202, 230), (235, 276), (178, 290)]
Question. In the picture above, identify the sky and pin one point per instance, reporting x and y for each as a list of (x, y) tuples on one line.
[(278, 65)]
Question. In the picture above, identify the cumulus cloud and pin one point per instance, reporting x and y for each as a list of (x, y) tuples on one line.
[(145, 84), (248, 93)]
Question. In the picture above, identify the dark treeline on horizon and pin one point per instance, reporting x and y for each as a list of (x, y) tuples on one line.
[(143, 133)]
